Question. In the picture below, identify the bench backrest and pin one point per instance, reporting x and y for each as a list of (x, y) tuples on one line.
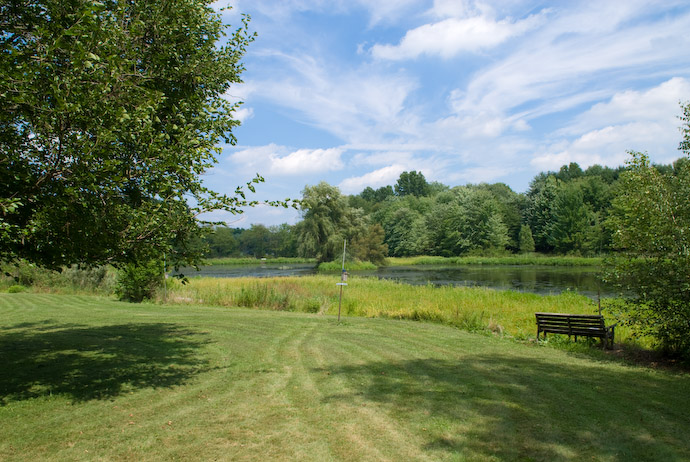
[(570, 323)]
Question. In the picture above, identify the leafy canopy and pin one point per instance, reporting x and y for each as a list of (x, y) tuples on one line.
[(109, 113), (651, 222)]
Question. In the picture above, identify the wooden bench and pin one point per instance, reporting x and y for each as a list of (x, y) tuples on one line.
[(584, 325)]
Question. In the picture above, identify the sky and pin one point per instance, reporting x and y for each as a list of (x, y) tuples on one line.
[(355, 92)]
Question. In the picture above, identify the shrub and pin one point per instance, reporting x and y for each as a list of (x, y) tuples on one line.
[(136, 282)]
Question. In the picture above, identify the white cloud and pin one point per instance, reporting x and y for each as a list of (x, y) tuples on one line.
[(380, 11), (577, 55), (243, 113), (449, 8), (656, 105), (307, 161), (355, 105), (382, 155), (608, 145), (385, 11), (264, 214), (275, 160), (482, 174), (452, 36), (377, 178), (629, 120)]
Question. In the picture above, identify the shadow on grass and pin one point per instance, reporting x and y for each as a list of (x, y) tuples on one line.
[(508, 408), (86, 363)]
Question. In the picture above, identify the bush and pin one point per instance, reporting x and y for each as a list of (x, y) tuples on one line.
[(99, 278), (136, 282)]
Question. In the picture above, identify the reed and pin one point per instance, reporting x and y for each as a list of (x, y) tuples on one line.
[(476, 309), (523, 259), (255, 261), (336, 266)]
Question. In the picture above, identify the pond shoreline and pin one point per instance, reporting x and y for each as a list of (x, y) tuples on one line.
[(521, 259), (542, 279)]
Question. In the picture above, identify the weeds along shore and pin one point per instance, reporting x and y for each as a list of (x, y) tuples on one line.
[(473, 309)]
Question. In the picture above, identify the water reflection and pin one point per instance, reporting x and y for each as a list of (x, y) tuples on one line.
[(543, 280)]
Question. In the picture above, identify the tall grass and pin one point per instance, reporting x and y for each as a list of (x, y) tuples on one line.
[(473, 309), (255, 261), (100, 280), (336, 266), (522, 259)]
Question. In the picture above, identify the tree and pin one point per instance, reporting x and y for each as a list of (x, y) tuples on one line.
[(511, 206), (541, 195), (221, 242), (570, 172), (570, 220), (283, 240), (412, 183), (467, 219), (651, 223), (109, 113), (256, 241), (484, 229), (526, 240), (404, 220), (326, 222), (369, 245)]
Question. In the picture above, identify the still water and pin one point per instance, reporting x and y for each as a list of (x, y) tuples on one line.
[(542, 280)]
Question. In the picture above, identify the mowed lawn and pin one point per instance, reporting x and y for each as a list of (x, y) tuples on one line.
[(86, 378)]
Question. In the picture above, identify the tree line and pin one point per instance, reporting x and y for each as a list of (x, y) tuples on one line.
[(562, 212)]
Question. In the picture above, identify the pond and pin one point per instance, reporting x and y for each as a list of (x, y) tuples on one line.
[(544, 280)]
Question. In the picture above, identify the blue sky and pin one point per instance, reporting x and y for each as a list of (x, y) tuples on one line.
[(354, 92)]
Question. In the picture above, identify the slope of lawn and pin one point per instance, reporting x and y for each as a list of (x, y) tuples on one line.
[(87, 378)]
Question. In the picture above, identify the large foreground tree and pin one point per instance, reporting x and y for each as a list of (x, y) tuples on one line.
[(651, 223), (109, 113)]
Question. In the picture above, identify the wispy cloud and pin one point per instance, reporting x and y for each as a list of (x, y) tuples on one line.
[(575, 52), (630, 120), (381, 177), (449, 37), (352, 104), (278, 161)]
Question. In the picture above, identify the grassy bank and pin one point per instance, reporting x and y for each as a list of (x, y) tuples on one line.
[(88, 378), (256, 261), (473, 309), (523, 259)]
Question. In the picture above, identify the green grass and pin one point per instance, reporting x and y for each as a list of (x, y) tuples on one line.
[(522, 259), (87, 378), (336, 266), (255, 261), (507, 313)]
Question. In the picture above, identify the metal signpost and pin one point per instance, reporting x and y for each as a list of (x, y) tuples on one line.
[(343, 280)]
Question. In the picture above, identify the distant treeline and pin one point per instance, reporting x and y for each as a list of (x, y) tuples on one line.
[(563, 212)]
